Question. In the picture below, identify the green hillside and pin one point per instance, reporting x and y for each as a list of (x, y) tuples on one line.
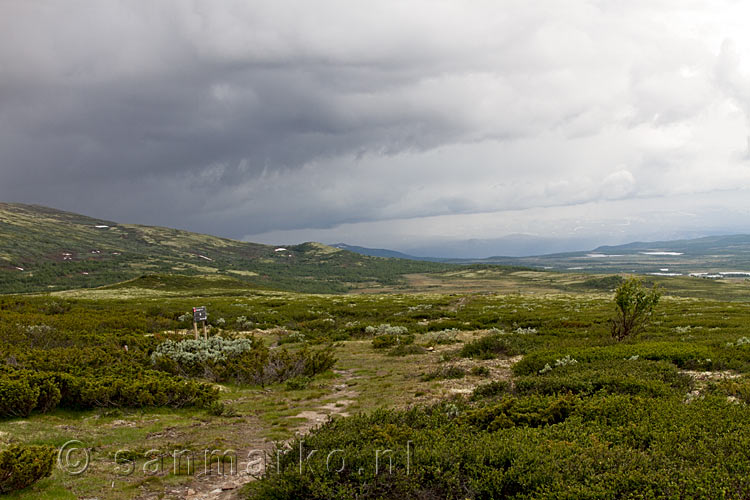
[(43, 249)]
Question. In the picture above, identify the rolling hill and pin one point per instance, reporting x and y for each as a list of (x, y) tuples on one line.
[(383, 252), (43, 249)]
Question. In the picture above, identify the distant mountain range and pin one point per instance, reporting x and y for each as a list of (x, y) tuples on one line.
[(709, 255), (511, 245)]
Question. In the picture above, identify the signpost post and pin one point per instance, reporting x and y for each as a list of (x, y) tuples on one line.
[(200, 314)]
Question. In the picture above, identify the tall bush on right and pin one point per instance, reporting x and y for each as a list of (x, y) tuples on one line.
[(634, 305)]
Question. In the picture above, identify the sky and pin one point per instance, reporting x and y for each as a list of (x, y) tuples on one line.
[(444, 128)]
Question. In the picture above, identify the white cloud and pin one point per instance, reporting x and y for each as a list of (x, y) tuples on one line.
[(618, 185)]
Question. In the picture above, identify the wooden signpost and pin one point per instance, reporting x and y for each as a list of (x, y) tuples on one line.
[(200, 314)]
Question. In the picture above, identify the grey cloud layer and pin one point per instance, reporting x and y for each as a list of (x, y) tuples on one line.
[(242, 118)]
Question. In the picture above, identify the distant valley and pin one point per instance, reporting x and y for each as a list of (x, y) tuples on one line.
[(711, 257), (44, 249)]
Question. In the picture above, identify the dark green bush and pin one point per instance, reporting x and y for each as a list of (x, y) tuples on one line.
[(494, 388), (683, 355), (493, 345), (21, 466), (318, 361), (86, 360), (606, 283), (647, 378), (217, 408), (17, 398), (297, 383), (49, 391), (149, 390), (56, 307), (282, 365), (606, 446), (527, 412), (23, 391)]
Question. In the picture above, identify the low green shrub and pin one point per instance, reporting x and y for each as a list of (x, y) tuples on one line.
[(317, 361), (21, 466), (491, 389), (494, 345), (49, 391), (297, 383), (604, 446), (24, 391), (88, 360), (217, 409), (153, 389), (17, 398), (526, 412), (682, 355), (642, 377), (605, 284)]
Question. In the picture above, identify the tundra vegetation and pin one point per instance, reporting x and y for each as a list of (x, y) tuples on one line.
[(477, 395)]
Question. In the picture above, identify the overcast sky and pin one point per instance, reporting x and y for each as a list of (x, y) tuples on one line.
[(411, 125)]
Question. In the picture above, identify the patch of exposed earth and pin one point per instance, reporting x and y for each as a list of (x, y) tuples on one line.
[(343, 396), (226, 486), (211, 480), (499, 369)]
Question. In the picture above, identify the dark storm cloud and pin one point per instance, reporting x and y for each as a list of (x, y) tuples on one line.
[(241, 118), (190, 85), (96, 104)]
